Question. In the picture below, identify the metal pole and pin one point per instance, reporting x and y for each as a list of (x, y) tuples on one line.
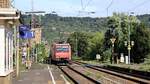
[(112, 58), (32, 4), (15, 49), (17, 60), (36, 54), (76, 45), (129, 41), (111, 54), (28, 54), (107, 12), (28, 51), (129, 55)]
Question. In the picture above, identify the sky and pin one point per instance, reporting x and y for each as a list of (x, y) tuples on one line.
[(74, 7)]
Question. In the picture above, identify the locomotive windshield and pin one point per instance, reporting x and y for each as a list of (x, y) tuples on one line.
[(62, 49)]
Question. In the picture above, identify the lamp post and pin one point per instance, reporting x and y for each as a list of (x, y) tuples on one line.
[(113, 39), (129, 43)]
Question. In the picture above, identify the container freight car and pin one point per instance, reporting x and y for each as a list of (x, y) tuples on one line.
[(60, 53)]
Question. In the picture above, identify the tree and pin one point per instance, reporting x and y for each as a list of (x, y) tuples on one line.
[(119, 26), (72, 40), (95, 45), (141, 49), (41, 52), (82, 43), (88, 44)]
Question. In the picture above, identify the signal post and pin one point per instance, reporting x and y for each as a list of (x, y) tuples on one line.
[(36, 28)]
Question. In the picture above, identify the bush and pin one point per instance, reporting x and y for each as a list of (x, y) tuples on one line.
[(76, 57), (147, 60), (106, 56)]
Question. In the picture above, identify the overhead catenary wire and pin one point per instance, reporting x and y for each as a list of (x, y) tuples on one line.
[(139, 5), (81, 4), (83, 7), (109, 6), (87, 4)]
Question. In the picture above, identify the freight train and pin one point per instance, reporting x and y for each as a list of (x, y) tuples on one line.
[(60, 53)]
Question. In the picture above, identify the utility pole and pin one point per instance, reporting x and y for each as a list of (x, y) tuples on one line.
[(109, 7), (32, 27)]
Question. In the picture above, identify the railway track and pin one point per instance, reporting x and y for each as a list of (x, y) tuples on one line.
[(126, 76), (76, 76)]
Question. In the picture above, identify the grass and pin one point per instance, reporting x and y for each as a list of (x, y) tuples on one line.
[(76, 58), (145, 67), (95, 62), (88, 73), (97, 75), (141, 67)]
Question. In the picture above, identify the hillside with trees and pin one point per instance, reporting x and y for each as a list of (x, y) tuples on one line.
[(145, 19), (90, 36), (57, 27), (90, 44)]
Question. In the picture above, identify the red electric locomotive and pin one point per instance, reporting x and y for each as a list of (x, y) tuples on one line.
[(60, 53)]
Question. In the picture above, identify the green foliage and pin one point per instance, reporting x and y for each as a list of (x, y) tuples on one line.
[(119, 27), (54, 24), (41, 55), (141, 36), (95, 44), (106, 56), (147, 60), (76, 58), (88, 44), (145, 19), (83, 39)]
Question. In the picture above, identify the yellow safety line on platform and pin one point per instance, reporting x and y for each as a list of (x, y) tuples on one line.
[(49, 82)]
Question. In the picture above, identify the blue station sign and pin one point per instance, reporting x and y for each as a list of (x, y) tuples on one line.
[(25, 32), (24, 28), (27, 35)]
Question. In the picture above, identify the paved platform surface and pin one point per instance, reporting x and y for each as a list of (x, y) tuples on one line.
[(40, 74)]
